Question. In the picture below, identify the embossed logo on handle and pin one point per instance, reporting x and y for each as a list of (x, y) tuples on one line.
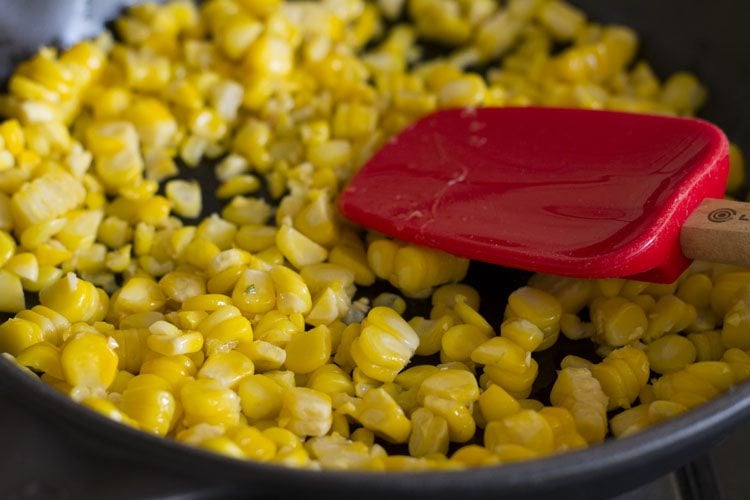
[(722, 215)]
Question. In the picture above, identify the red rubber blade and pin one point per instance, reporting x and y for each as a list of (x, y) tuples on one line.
[(591, 194)]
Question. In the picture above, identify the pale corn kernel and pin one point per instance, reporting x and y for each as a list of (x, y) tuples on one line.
[(265, 355), (429, 434), (456, 385), (306, 412), (379, 412), (229, 368), (299, 249), (185, 197)]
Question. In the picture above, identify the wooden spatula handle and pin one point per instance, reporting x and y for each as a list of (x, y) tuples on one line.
[(718, 231)]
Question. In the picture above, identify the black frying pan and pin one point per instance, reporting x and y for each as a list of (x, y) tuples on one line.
[(707, 38)]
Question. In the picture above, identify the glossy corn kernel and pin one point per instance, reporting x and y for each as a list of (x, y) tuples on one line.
[(526, 428), (670, 353), (538, 307), (12, 299), (252, 442), (385, 344), (502, 353), (308, 351), (739, 364), (622, 375), (208, 401), (228, 368), (153, 409), (460, 342), (89, 361), (306, 412), (578, 391), (261, 397), (379, 412), (618, 321), (695, 384), (429, 434), (456, 385), (669, 315), (42, 358)]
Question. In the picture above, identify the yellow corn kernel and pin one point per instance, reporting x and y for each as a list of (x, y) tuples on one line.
[(299, 249), (292, 294), (109, 410), (618, 321), (42, 357), (523, 333), (88, 360), (670, 353), (76, 299), (260, 396), (669, 315), (381, 255), (461, 425), (739, 364), (355, 260), (379, 412), (430, 333), (460, 341), (175, 370), (224, 329), (696, 290), (306, 412), (456, 385), (708, 345), (332, 380), (152, 408), (517, 384), (538, 307), (495, 403), (622, 375), (227, 367), (46, 197), (139, 294), (207, 401), (502, 353), (682, 93), (185, 198), (429, 434), (308, 351), (695, 384), (578, 391), (173, 345), (385, 345), (526, 428), (474, 456), (264, 355), (12, 299)]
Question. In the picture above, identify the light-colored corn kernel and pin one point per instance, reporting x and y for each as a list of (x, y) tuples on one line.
[(306, 412)]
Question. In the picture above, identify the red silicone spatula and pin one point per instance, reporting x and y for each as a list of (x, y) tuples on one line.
[(574, 192)]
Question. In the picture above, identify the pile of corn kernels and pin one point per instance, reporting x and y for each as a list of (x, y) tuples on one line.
[(242, 333)]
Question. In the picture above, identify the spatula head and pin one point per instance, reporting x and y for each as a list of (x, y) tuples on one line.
[(581, 193)]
